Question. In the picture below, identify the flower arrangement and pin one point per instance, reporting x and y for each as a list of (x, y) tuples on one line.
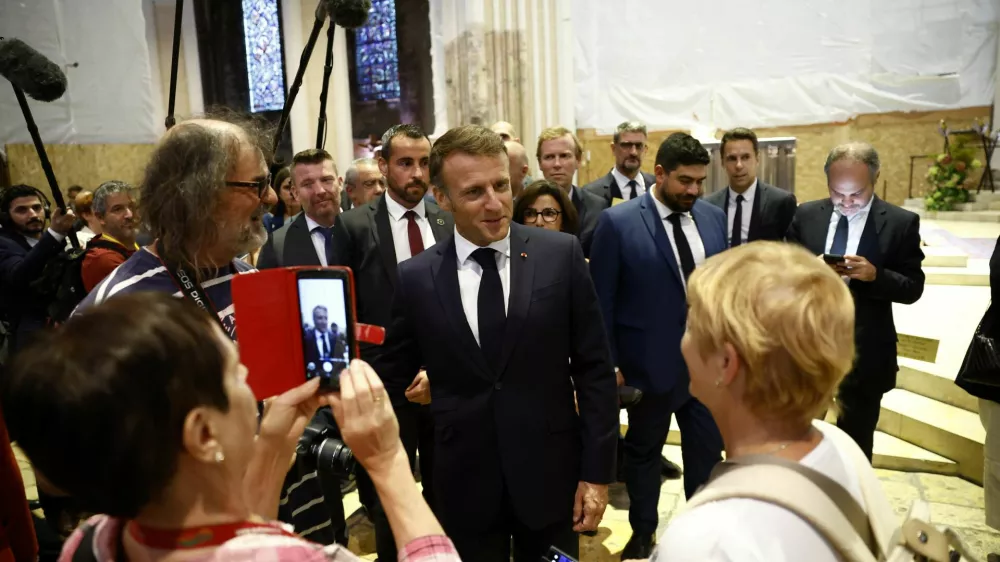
[(949, 173)]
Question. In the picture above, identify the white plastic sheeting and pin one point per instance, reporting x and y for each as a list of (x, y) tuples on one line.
[(769, 63), (109, 98)]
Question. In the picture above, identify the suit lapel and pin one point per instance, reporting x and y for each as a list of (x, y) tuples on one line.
[(438, 221), (383, 238), (759, 201), (815, 231), (581, 209), (299, 247), (868, 244), (449, 293), (651, 216), (614, 192), (709, 240), (522, 273)]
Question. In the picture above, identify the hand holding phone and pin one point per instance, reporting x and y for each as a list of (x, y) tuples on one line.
[(556, 555), (328, 332), (833, 259)]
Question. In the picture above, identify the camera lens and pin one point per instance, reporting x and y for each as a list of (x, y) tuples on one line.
[(334, 456)]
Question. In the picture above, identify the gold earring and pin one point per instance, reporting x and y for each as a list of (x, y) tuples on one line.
[(219, 456)]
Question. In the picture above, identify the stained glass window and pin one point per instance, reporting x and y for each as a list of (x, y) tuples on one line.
[(376, 54), (265, 65)]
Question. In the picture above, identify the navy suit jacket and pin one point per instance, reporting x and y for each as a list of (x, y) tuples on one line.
[(514, 430), (642, 295), (20, 265)]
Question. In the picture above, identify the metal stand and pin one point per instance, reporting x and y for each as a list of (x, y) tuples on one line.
[(327, 71), (178, 17)]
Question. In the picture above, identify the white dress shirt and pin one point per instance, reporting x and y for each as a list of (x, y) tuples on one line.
[(399, 223), (324, 343), (623, 180), (748, 196), (470, 275), (59, 238), (855, 227), (690, 232), (318, 240)]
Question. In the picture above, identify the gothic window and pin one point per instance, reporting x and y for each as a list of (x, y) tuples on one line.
[(265, 64), (376, 54)]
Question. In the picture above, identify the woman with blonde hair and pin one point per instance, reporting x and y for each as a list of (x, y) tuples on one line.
[(770, 335)]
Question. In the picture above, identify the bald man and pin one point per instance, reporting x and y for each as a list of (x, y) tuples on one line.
[(506, 131), (518, 167)]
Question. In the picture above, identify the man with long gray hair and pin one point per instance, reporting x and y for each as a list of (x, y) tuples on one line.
[(203, 197), (875, 247)]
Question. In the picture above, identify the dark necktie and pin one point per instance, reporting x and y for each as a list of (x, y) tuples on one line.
[(325, 344), (413, 233), (492, 314), (736, 238), (839, 246), (327, 242), (683, 248), (634, 187)]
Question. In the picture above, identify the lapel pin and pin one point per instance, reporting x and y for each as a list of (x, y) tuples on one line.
[(524, 255), (440, 222)]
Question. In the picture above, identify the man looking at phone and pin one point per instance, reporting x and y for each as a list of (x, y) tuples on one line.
[(875, 247), (505, 319), (373, 239)]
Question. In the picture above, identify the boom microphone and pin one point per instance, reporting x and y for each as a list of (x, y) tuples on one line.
[(31, 71), (351, 14)]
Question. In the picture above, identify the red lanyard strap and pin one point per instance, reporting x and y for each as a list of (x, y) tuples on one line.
[(200, 537)]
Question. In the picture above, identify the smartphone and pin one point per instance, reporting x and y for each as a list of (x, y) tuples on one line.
[(833, 258), (328, 323), (556, 555)]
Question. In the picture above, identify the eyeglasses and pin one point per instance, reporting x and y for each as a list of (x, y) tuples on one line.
[(626, 146), (548, 215), (260, 185)]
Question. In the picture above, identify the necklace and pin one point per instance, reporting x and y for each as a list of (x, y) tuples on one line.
[(775, 450)]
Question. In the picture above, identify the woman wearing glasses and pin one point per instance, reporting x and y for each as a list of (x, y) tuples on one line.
[(545, 205)]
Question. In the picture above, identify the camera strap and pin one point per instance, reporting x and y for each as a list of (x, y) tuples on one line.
[(189, 285)]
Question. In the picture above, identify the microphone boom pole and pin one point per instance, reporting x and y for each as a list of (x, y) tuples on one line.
[(321, 17), (44, 158), (178, 18), (327, 71)]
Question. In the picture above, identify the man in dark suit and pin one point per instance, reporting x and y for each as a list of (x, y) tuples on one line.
[(625, 181), (372, 240), (307, 239), (26, 247), (506, 322), (880, 246), (322, 341), (644, 250), (754, 210), (559, 155)]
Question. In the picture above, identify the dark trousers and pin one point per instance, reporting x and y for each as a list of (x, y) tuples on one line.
[(648, 424), (860, 406), (416, 431), (529, 545)]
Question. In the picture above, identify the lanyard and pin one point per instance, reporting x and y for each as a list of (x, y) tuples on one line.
[(190, 286), (200, 537)]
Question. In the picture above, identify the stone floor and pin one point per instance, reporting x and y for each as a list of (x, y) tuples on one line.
[(954, 503)]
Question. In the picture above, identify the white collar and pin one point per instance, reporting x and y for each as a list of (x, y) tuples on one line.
[(311, 224), (464, 248), (748, 195), (396, 211), (665, 211), (623, 180)]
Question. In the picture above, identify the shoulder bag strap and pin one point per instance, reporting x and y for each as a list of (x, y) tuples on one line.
[(798, 489)]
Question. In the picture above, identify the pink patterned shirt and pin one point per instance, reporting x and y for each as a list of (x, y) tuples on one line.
[(269, 545)]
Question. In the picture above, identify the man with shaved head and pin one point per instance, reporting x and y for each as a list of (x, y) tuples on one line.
[(518, 167), (203, 197), (506, 131)]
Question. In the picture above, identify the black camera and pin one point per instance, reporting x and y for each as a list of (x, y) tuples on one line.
[(319, 444)]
